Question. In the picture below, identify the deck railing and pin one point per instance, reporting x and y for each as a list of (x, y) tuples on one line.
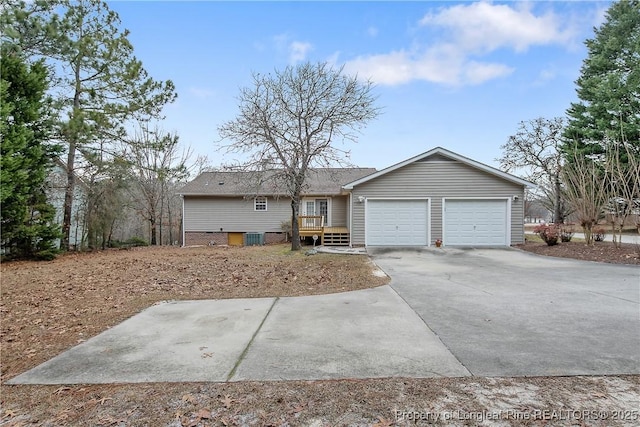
[(311, 222)]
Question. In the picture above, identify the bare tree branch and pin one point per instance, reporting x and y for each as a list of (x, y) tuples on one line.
[(292, 120), (535, 150)]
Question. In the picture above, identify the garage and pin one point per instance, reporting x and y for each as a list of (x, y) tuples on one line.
[(468, 204), (397, 222), (476, 222)]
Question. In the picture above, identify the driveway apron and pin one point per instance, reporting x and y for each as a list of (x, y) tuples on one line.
[(503, 312)]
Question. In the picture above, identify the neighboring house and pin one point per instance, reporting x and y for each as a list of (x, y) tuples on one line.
[(435, 195), (56, 186)]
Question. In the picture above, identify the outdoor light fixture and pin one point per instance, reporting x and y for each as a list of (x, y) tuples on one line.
[(515, 198), (361, 199)]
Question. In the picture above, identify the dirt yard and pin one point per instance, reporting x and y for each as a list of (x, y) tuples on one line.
[(48, 307), (600, 251)]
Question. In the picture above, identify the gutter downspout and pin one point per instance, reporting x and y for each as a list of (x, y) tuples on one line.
[(184, 242), (350, 218)]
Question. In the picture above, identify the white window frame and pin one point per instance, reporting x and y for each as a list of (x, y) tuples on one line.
[(260, 201)]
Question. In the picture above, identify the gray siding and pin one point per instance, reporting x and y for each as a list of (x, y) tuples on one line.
[(437, 180), (339, 211), (234, 214)]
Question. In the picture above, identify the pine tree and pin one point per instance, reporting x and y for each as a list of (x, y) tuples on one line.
[(102, 85), (28, 227), (609, 86)]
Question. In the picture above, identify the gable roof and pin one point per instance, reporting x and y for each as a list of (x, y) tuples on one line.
[(439, 151), (321, 181)]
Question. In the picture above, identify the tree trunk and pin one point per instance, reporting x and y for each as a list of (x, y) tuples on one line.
[(558, 216), (295, 229), (170, 223), (154, 241), (71, 158), (160, 229), (68, 198), (113, 224), (91, 238)]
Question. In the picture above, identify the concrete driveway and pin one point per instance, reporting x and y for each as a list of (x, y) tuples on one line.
[(447, 313), (361, 334), (511, 313)]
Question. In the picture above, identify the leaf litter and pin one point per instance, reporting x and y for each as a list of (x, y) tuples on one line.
[(48, 307)]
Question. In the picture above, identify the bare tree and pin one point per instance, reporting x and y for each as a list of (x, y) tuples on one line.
[(535, 149), (157, 161), (634, 176), (586, 192), (623, 169), (290, 122)]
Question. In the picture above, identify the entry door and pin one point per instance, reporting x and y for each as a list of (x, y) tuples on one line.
[(319, 207)]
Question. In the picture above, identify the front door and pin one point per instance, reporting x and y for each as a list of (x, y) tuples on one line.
[(316, 207)]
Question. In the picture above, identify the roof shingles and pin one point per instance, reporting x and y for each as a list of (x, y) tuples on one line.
[(324, 181)]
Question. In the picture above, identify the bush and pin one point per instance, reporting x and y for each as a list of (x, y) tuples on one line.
[(285, 226), (566, 232), (599, 234), (547, 233), (136, 241)]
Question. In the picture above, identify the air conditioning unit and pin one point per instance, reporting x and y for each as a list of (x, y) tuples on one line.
[(253, 239)]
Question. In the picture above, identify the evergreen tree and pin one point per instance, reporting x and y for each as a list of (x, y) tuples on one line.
[(608, 112), (101, 84), (28, 227)]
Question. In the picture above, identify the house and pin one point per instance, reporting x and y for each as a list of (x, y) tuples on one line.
[(435, 195), (221, 207)]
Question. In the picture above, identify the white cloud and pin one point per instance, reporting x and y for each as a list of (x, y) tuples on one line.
[(545, 76), (298, 51), (467, 32), (484, 27), (434, 65), (480, 72)]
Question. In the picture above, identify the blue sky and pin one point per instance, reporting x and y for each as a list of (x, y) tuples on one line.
[(460, 75)]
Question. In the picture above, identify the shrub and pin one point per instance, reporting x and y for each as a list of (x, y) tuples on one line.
[(47, 255), (547, 233), (566, 232), (136, 241), (599, 234)]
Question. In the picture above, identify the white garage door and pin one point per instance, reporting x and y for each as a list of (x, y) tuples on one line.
[(475, 223), (396, 222)]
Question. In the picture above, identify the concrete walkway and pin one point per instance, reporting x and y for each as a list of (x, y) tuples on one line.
[(361, 334)]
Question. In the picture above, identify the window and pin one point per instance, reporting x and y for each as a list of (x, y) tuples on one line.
[(260, 203)]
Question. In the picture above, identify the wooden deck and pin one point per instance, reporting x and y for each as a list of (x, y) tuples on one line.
[(330, 236)]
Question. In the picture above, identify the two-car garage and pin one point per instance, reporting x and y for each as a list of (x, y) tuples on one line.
[(437, 196), (466, 222)]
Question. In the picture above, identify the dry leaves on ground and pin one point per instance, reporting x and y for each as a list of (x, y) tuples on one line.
[(49, 307), (600, 251)]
